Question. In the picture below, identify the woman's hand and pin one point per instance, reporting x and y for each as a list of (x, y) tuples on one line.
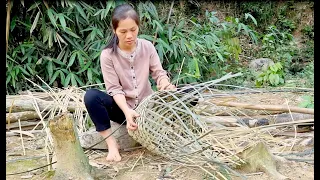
[(130, 116), (164, 84)]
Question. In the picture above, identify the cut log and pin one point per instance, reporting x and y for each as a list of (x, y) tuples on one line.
[(254, 121), (72, 163), (27, 133), (263, 107), (25, 125), (91, 137), (259, 158), (23, 116), (25, 103)]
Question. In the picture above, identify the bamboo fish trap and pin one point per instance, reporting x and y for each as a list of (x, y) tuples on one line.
[(169, 126)]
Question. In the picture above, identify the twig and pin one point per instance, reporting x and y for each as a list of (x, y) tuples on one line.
[(8, 24), (262, 107), (13, 132), (180, 71), (295, 127), (24, 150), (155, 34), (137, 160), (253, 174)]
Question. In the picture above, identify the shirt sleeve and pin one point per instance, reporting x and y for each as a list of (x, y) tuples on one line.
[(110, 76), (157, 72)]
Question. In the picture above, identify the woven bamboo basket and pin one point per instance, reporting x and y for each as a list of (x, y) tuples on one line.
[(169, 127)]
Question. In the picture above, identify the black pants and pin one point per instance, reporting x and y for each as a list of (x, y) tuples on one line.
[(102, 108)]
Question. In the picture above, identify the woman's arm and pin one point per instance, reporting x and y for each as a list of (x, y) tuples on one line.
[(128, 112), (121, 102), (110, 76), (114, 89), (158, 73)]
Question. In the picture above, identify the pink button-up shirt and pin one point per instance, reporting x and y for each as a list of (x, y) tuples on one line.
[(128, 74)]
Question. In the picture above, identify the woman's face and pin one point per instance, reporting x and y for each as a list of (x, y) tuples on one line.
[(127, 32)]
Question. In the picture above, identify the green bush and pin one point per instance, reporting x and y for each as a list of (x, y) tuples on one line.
[(273, 76), (61, 42)]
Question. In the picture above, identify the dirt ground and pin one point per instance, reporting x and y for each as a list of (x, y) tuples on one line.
[(140, 164)]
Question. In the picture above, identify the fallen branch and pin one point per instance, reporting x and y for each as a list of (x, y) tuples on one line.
[(25, 103), (28, 133), (23, 116), (25, 125), (233, 121), (263, 107)]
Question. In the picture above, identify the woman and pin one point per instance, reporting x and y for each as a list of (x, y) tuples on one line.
[(125, 64)]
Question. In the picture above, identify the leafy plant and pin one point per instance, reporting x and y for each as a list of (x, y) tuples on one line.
[(308, 102), (274, 76)]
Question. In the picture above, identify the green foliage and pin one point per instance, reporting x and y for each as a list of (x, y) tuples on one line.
[(308, 102), (274, 76), (194, 50), (61, 42), (308, 31), (262, 11)]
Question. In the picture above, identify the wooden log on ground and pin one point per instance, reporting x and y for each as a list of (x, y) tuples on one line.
[(91, 137), (27, 133), (254, 121), (25, 125), (204, 108), (25, 103), (72, 163), (263, 107), (23, 116)]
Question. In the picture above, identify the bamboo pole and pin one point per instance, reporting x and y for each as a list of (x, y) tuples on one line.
[(8, 24), (263, 107)]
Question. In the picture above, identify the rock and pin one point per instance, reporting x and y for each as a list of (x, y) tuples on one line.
[(259, 65), (91, 137)]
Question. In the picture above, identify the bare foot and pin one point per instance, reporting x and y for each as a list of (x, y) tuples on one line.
[(113, 146), (113, 155), (113, 149)]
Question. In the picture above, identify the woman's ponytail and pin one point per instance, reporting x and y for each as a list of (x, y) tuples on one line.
[(113, 43)]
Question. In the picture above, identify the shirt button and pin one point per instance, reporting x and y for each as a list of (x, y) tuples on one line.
[(131, 67), (134, 77), (135, 87)]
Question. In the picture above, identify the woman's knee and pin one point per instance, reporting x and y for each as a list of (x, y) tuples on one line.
[(91, 96)]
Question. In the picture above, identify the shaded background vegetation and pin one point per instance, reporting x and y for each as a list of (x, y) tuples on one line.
[(61, 41)]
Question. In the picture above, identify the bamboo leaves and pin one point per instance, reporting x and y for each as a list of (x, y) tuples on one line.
[(34, 24), (65, 39)]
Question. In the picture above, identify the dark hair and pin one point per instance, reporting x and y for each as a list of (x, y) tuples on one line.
[(121, 12)]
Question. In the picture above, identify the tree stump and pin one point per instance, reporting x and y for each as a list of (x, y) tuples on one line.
[(258, 157), (72, 163)]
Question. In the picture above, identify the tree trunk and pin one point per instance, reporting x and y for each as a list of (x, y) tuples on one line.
[(72, 163)]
